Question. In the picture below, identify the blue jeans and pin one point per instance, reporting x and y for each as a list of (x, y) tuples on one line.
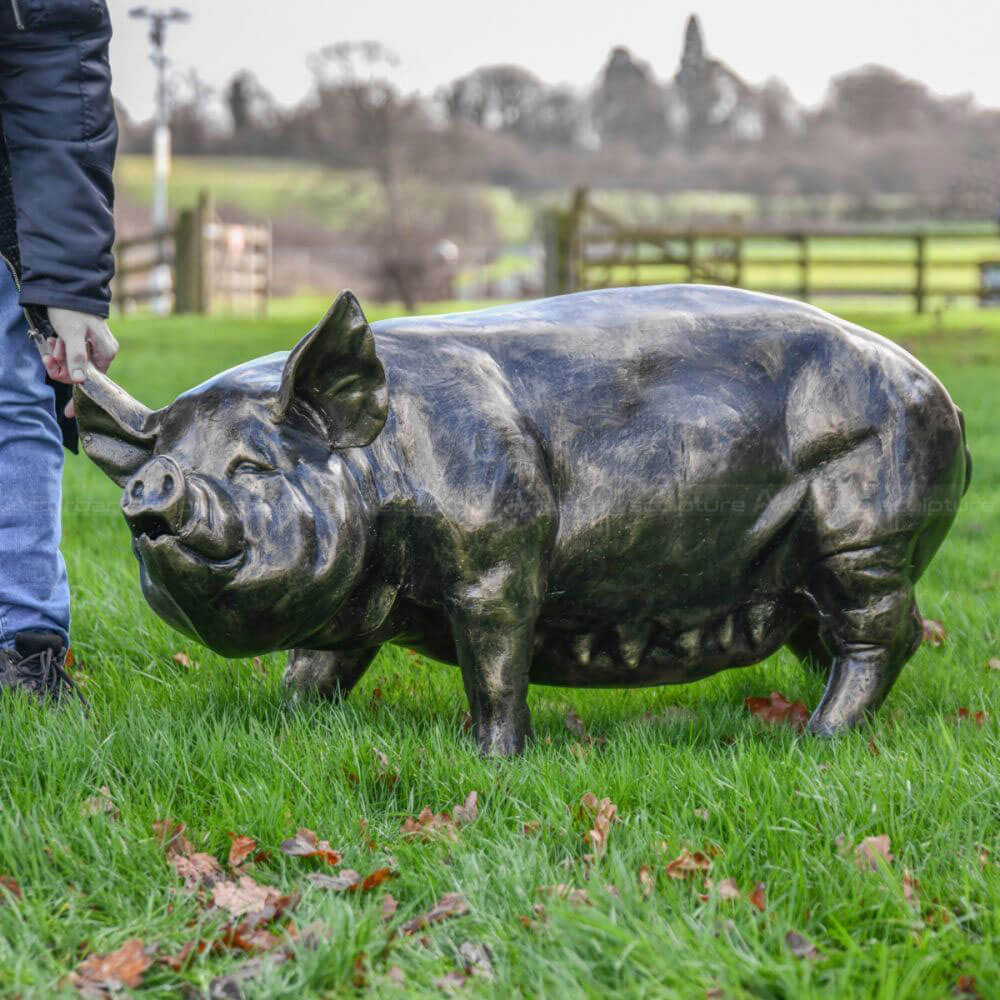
[(34, 592)]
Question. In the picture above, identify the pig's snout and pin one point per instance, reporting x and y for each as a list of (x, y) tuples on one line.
[(161, 501), (155, 499)]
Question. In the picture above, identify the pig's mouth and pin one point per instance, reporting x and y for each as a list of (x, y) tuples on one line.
[(160, 544)]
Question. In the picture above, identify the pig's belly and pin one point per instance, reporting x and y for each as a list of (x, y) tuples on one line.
[(668, 648)]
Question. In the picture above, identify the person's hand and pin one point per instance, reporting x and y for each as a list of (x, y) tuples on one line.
[(80, 340)]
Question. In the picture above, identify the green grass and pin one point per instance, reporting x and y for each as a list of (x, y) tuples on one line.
[(214, 747)]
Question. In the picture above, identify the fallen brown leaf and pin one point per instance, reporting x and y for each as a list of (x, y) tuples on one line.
[(686, 864), (429, 825), (979, 718), (387, 774), (245, 897), (478, 960), (872, 849), (10, 887), (197, 869), (601, 814), (305, 844), (101, 975), (451, 981), (532, 827), (647, 881), (966, 987), (758, 897), (451, 904), (468, 812), (101, 803), (346, 880), (776, 710), (240, 849), (377, 877), (728, 888), (389, 907), (182, 959), (801, 947), (170, 836), (934, 632), (567, 892)]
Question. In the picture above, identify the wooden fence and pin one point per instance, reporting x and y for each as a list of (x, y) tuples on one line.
[(587, 247), (200, 265)]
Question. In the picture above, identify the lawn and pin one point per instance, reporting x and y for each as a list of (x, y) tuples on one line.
[(211, 744)]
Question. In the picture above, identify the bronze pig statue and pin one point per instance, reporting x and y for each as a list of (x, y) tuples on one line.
[(610, 489)]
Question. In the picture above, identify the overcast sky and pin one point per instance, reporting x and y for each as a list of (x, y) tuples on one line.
[(952, 45)]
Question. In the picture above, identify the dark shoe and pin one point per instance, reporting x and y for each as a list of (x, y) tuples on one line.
[(37, 665)]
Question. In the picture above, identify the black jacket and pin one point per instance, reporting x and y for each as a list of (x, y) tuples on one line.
[(57, 148)]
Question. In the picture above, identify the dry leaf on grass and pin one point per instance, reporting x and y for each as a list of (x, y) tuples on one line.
[(184, 660), (934, 632), (870, 851), (532, 827), (389, 907), (387, 774), (965, 715), (451, 982), (728, 888), (647, 881), (758, 897), (170, 836), (429, 825), (240, 849), (478, 960), (101, 975), (101, 803), (567, 892), (9, 887), (451, 904), (305, 844), (801, 947), (245, 897), (349, 880), (197, 870), (966, 987), (686, 864), (776, 710), (601, 814)]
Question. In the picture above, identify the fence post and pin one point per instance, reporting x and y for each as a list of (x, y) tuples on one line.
[(804, 288), (920, 289), (204, 218), (187, 263)]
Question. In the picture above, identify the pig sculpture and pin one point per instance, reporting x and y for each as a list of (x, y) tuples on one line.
[(611, 489)]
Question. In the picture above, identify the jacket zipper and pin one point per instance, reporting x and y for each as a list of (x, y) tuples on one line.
[(15, 6), (37, 338)]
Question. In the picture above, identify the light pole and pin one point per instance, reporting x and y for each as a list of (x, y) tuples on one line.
[(158, 20)]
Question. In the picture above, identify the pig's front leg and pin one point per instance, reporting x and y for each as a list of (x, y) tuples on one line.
[(317, 673), (494, 624)]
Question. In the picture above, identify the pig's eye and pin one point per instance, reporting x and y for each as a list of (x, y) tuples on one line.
[(248, 466)]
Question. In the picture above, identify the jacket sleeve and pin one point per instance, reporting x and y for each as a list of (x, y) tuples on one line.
[(59, 123)]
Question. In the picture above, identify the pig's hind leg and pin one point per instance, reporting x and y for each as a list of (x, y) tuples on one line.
[(869, 619), (317, 673)]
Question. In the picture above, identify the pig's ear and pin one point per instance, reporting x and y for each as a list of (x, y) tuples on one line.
[(335, 377), (118, 433)]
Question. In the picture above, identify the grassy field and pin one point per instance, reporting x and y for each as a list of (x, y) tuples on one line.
[(209, 743)]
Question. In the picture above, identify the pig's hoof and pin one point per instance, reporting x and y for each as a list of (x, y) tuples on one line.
[(502, 740)]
